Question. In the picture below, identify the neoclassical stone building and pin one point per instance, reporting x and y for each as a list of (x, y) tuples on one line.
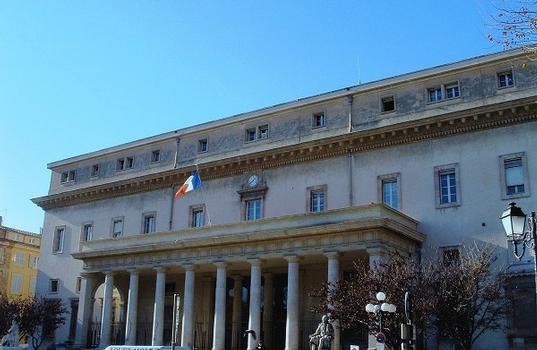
[(292, 195)]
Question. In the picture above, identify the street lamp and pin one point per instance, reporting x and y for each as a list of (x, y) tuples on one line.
[(514, 224), (378, 309)]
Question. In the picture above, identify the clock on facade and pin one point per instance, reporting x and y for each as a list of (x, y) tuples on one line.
[(253, 181)]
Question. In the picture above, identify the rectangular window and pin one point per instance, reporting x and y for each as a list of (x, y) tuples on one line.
[(129, 162), (87, 232), (250, 135), (57, 242), (388, 104), (117, 228), (253, 209), (149, 223), (18, 259), (68, 176), (78, 285), (317, 200), (448, 188), (390, 193), (514, 175), (263, 132), (447, 185), (120, 165), (319, 120), (32, 261), (95, 170), (197, 217), (32, 285), (16, 283), (155, 156), (202, 146), (435, 94), (54, 285), (452, 90), (505, 79)]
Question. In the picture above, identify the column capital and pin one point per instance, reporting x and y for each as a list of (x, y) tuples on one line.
[(220, 264), (109, 272), (160, 269), (255, 261), (292, 258), (87, 275), (189, 267), (332, 254), (132, 270)]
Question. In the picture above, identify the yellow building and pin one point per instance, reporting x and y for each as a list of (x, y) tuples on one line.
[(19, 255)]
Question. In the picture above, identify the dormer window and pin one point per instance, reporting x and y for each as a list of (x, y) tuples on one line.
[(319, 120), (388, 104), (155, 156), (262, 132), (68, 176), (505, 79), (258, 133), (125, 163), (95, 170), (203, 146)]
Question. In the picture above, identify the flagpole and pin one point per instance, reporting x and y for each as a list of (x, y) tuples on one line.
[(203, 199)]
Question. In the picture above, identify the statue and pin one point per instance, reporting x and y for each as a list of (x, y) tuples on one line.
[(322, 338)]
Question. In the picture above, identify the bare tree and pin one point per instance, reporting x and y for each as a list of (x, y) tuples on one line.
[(394, 276), (515, 24), (459, 299), (470, 299), (39, 318), (7, 311)]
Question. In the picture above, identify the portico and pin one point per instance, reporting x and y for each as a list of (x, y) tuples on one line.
[(250, 275)]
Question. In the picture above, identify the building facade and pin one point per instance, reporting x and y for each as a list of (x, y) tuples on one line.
[(292, 195), (19, 256)]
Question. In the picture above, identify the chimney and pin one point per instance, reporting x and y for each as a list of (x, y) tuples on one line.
[(0, 220)]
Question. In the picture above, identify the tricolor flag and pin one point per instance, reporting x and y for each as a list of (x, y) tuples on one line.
[(191, 184)]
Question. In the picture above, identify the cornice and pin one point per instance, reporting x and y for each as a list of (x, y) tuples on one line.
[(445, 125)]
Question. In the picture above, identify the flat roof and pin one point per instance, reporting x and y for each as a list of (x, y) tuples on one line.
[(351, 90)]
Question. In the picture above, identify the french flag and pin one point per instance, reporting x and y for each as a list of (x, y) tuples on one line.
[(191, 184)]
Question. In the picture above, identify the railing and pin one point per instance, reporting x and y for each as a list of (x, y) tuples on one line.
[(117, 334)]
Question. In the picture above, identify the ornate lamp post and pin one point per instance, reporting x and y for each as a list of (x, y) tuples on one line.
[(378, 309), (514, 224)]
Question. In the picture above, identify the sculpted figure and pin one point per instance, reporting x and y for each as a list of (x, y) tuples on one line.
[(322, 338)]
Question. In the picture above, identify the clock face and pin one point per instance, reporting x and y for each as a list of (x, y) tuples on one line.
[(252, 181)]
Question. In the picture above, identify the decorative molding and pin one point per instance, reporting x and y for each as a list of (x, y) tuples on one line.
[(445, 125)]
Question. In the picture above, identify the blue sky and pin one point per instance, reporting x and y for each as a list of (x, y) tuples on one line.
[(78, 76)]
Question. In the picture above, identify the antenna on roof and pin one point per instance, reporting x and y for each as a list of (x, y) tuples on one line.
[(359, 71)]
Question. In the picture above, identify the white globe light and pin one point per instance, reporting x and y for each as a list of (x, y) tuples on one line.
[(381, 296), (370, 308), (377, 308), (385, 307), (393, 308)]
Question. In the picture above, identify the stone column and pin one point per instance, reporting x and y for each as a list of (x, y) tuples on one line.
[(106, 321), (188, 308), (267, 310), (132, 308), (237, 312), (85, 308), (292, 333), (219, 333), (333, 279), (158, 311), (254, 320)]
